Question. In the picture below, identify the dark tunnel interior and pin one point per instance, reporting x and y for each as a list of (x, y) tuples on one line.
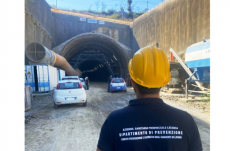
[(94, 70)]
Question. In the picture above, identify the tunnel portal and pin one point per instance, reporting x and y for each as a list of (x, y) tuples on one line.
[(96, 55)]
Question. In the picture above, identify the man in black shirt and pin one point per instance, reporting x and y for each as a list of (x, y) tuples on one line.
[(87, 83), (147, 123), (109, 81)]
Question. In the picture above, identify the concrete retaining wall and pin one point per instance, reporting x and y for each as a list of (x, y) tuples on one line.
[(38, 23), (174, 23), (69, 26)]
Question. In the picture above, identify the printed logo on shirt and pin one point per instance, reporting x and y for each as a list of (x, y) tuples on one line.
[(157, 132)]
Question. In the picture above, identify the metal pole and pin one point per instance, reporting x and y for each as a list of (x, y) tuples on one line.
[(186, 88)]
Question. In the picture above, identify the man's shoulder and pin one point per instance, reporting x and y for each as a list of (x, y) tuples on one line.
[(177, 112), (118, 113), (174, 109)]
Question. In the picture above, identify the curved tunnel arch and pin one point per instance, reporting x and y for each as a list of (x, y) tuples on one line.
[(91, 45)]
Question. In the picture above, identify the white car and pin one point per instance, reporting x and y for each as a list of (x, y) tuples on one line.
[(69, 92), (83, 82), (70, 77)]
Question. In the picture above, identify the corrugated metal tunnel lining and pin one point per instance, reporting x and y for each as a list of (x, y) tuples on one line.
[(96, 55)]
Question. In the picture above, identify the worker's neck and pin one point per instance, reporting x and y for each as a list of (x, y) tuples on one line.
[(139, 96)]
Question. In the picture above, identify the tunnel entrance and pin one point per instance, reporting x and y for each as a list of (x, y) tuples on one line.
[(96, 55)]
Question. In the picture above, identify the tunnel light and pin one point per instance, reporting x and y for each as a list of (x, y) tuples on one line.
[(111, 60), (114, 57), (100, 66)]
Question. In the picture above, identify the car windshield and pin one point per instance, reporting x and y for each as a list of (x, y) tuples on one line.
[(117, 81), (81, 80), (69, 85), (69, 78)]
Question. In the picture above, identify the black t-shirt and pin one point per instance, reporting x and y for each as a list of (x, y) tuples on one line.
[(109, 80), (149, 125)]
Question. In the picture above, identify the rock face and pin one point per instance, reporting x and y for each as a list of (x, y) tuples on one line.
[(173, 23)]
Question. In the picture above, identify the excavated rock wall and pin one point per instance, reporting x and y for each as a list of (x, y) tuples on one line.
[(174, 23)]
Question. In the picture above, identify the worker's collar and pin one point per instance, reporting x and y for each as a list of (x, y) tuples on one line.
[(145, 101)]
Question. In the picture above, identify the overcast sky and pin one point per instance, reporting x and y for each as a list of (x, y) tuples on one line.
[(138, 5)]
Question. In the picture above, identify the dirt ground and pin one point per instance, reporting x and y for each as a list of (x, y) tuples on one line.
[(74, 127)]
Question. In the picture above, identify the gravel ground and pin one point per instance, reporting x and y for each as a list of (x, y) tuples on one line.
[(74, 127)]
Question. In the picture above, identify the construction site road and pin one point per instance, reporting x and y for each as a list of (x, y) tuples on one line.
[(74, 127)]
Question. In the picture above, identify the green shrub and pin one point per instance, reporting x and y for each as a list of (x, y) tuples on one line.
[(109, 12), (135, 15), (53, 6), (115, 16), (205, 97), (92, 11)]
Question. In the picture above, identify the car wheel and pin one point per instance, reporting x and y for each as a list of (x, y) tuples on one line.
[(55, 106), (125, 90), (85, 104)]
